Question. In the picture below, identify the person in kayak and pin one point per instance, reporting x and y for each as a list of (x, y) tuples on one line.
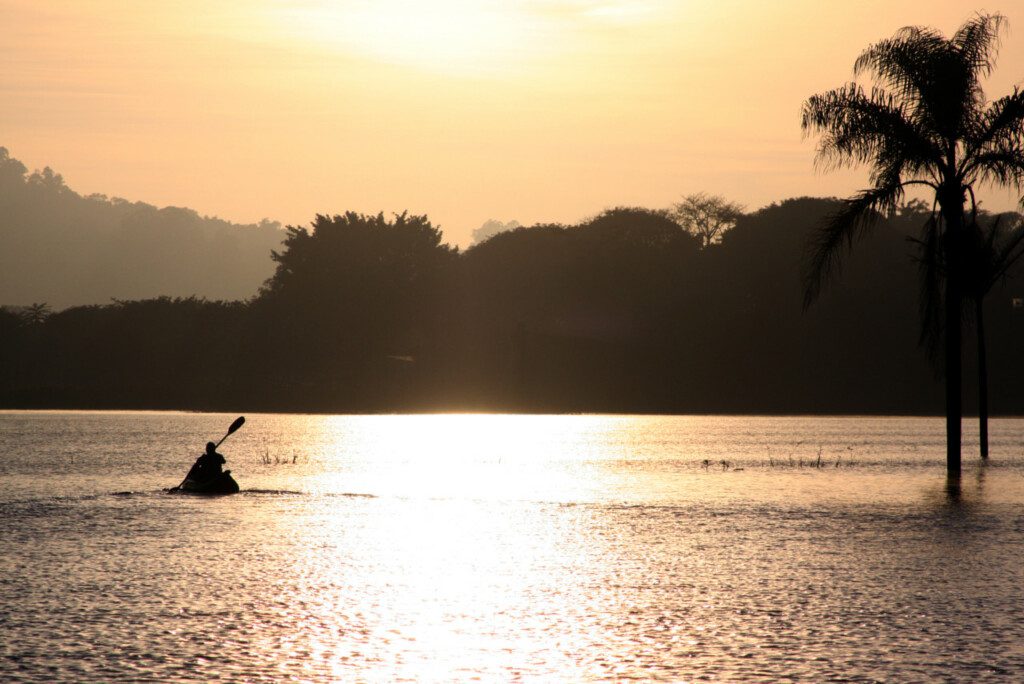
[(207, 466)]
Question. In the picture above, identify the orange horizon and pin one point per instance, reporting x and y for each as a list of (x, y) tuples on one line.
[(464, 111)]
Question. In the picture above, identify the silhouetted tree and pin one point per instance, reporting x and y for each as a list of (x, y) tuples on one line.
[(36, 314), (636, 225), (996, 245), (993, 246), (707, 217), (926, 123), (357, 294), (12, 171), (490, 228), (48, 181)]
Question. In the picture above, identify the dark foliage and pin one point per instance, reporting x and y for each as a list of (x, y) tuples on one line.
[(624, 312), (356, 303)]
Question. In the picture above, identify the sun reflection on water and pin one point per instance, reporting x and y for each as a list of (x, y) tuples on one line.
[(443, 573), (578, 459), (476, 455), (459, 588)]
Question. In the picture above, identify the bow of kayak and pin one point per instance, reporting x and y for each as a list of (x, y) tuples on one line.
[(221, 484)]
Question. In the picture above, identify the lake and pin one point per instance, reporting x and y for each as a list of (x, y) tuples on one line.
[(509, 548)]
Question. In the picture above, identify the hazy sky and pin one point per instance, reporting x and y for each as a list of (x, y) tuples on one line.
[(533, 110)]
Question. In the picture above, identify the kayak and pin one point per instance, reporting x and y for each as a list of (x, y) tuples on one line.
[(221, 484)]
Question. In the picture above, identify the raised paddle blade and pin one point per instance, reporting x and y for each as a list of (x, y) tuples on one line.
[(239, 422), (234, 426)]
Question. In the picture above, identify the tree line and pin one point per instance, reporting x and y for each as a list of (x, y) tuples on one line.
[(624, 312)]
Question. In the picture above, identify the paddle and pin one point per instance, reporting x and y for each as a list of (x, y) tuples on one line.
[(239, 422)]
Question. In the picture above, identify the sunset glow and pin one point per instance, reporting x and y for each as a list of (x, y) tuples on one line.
[(452, 36), (465, 111)]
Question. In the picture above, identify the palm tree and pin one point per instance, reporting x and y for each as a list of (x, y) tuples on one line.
[(993, 247), (996, 248), (924, 122)]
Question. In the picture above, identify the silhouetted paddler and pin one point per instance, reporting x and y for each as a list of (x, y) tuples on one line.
[(207, 466)]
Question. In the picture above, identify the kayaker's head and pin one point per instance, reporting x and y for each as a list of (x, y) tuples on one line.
[(211, 448)]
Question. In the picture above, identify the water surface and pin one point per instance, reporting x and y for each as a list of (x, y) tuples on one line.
[(555, 548)]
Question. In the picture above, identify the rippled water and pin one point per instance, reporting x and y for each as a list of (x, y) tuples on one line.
[(555, 548)]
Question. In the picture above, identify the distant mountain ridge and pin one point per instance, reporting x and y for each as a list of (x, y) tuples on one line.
[(65, 249)]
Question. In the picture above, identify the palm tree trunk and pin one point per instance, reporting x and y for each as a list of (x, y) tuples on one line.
[(954, 403), (982, 380), (953, 215)]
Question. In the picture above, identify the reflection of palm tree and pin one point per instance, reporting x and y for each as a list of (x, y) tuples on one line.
[(926, 122)]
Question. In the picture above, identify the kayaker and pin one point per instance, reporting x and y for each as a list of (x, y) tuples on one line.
[(207, 466)]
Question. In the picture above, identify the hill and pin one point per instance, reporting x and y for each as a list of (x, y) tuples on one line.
[(66, 249)]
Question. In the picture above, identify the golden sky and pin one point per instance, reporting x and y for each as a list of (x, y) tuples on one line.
[(466, 110)]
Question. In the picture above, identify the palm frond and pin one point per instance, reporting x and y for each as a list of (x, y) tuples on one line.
[(999, 125), (899, 62), (1001, 166), (937, 80), (978, 42), (840, 231), (858, 127)]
